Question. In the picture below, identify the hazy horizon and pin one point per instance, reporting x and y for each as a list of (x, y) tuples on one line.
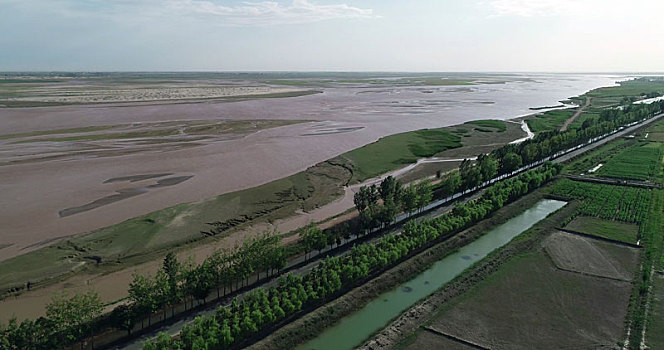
[(376, 72), (492, 36)]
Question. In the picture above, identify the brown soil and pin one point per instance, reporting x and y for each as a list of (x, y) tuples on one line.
[(590, 257)]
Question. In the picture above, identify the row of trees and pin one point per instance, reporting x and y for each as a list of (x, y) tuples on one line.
[(512, 157), (379, 205), (262, 309), (68, 320), (177, 283), (74, 319)]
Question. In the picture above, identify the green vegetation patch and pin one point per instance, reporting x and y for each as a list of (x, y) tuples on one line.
[(585, 115), (395, 151), (627, 204), (615, 230), (636, 88), (548, 121), (639, 162), (499, 125), (598, 156), (655, 328)]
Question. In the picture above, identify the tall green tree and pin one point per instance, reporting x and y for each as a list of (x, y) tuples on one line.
[(141, 293), (74, 316), (450, 185), (171, 267), (424, 193), (488, 166), (511, 162), (409, 199)]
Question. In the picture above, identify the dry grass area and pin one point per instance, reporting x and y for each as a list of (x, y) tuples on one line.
[(530, 303)]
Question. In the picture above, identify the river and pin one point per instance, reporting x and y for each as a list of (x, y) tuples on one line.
[(352, 330)]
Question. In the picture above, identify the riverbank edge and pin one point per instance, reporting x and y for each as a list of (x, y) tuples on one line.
[(130, 262), (310, 325), (407, 324)]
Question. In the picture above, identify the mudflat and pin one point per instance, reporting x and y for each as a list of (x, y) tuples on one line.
[(339, 119)]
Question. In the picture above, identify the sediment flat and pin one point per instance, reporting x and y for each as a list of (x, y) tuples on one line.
[(34, 193)]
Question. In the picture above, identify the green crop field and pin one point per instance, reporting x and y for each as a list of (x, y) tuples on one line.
[(615, 230), (639, 162), (619, 203), (599, 156)]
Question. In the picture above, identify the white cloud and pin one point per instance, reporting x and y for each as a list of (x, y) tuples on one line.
[(577, 8), (270, 12), (532, 8), (249, 13)]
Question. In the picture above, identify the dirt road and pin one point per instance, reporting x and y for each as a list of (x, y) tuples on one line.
[(576, 114)]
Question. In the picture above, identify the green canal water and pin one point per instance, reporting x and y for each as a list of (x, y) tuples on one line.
[(354, 329)]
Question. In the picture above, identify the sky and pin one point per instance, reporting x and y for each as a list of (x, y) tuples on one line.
[(332, 35)]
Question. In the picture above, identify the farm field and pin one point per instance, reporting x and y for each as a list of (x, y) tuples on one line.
[(638, 162), (532, 303), (643, 323), (622, 203), (655, 326), (430, 339), (601, 155), (615, 230)]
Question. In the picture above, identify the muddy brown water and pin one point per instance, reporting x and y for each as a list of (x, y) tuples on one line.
[(34, 193)]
